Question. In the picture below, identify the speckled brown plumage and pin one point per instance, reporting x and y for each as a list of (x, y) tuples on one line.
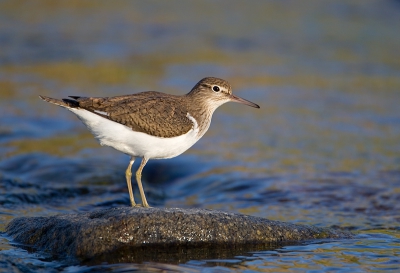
[(154, 113)]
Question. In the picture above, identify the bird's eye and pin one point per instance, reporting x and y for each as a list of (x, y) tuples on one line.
[(216, 88)]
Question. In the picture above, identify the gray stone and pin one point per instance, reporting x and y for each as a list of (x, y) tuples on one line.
[(94, 234)]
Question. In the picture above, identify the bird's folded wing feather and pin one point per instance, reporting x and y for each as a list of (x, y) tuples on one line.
[(153, 113)]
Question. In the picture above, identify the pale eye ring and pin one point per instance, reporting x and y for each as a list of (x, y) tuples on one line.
[(216, 88)]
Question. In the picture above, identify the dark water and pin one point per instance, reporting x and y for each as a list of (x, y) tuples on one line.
[(324, 149)]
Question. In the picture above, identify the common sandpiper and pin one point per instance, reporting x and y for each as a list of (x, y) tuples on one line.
[(151, 125)]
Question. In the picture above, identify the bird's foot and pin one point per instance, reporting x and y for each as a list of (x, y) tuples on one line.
[(141, 206)]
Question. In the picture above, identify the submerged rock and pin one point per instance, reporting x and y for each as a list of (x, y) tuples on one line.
[(94, 234)]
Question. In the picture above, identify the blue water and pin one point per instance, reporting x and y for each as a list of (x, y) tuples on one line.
[(324, 149)]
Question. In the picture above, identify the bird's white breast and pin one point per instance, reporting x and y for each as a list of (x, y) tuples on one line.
[(124, 139)]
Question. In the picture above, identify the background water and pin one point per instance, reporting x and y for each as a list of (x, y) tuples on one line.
[(324, 149)]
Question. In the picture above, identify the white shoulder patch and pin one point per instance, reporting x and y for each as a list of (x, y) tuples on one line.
[(195, 127), (101, 113)]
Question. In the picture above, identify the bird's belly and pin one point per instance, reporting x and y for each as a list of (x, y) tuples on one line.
[(124, 139)]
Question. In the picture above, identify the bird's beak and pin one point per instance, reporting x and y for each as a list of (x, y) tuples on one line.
[(243, 101)]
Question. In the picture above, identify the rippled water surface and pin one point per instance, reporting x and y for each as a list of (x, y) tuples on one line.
[(324, 149)]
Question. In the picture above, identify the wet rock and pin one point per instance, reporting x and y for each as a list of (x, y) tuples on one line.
[(87, 235)]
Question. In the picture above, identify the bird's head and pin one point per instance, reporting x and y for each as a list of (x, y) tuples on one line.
[(217, 92)]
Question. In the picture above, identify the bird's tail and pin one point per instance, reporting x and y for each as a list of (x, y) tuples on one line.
[(66, 103)]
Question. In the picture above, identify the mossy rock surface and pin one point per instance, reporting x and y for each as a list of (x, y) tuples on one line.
[(87, 235)]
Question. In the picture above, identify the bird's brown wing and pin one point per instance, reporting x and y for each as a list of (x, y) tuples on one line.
[(153, 113)]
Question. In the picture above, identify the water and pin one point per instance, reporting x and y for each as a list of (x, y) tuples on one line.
[(324, 149)]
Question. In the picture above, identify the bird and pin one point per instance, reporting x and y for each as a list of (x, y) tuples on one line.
[(150, 124)]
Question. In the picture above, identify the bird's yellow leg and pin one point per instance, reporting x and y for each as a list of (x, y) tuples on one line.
[(139, 182), (128, 175)]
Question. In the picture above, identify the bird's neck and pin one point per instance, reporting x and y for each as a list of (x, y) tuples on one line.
[(201, 109)]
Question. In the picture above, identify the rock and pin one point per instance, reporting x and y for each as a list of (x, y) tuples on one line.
[(132, 230)]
